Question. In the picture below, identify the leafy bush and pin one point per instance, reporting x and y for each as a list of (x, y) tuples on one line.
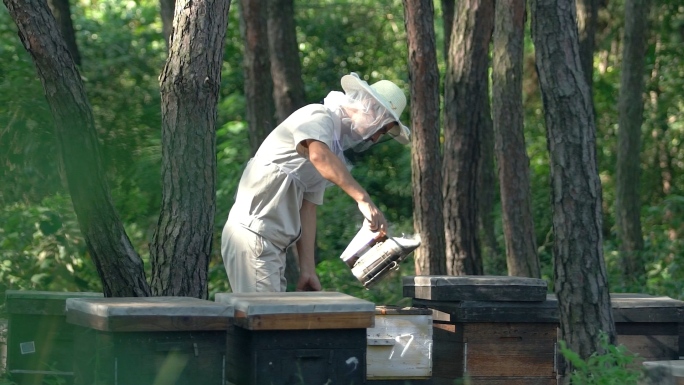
[(613, 367)]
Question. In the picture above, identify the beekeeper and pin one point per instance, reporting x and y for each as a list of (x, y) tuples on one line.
[(275, 204)]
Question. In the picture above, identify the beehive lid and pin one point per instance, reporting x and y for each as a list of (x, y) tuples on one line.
[(475, 288), (299, 310), (397, 310), (148, 314), (634, 307), (493, 311), (42, 302)]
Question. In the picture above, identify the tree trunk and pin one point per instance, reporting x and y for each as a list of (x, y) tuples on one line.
[(62, 13), (118, 265), (580, 272), (448, 11), (286, 69), (486, 187), (587, 18), (166, 10), (257, 69), (511, 152), (465, 90), (430, 257), (631, 106), (189, 83)]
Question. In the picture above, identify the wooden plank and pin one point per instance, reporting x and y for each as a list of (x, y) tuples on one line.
[(651, 348), (647, 328), (147, 323), (551, 380), (475, 288), (492, 311), (355, 320)]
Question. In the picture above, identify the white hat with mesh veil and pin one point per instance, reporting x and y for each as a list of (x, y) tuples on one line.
[(389, 95)]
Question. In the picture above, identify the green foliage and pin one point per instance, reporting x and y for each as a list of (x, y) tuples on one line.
[(123, 53), (612, 367)]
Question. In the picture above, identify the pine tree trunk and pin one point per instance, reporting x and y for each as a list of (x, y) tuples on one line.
[(286, 69), (631, 106), (430, 257), (587, 18), (580, 273), (511, 152), (257, 70), (166, 10), (190, 83), (118, 265), (465, 90), (62, 13)]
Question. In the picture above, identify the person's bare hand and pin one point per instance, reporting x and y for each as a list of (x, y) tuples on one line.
[(376, 220), (308, 282)]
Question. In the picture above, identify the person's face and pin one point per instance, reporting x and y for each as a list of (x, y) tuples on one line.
[(375, 137)]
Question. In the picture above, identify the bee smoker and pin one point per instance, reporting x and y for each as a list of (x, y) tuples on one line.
[(371, 256)]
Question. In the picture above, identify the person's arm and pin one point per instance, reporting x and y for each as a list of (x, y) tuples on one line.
[(332, 169), (308, 280)]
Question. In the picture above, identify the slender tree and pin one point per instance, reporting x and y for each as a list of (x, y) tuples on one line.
[(587, 19), (166, 11), (465, 93), (119, 266), (257, 70), (286, 69), (580, 280), (190, 82), (448, 11), (510, 149), (425, 151), (62, 13), (631, 106)]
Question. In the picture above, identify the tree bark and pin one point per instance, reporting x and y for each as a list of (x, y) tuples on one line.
[(448, 11), (510, 148), (257, 69), (486, 187), (62, 13), (430, 258), (587, 18), (630, 109), (189, 83), (166, 10), (580, 273), (286, 69), (465, 90), (120, 268)]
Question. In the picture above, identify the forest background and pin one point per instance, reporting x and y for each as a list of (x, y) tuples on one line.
[(122, 52)]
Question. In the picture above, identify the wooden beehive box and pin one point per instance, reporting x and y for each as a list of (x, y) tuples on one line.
[(400, 344), (39, 341), (492, 342), (488, 329), (297, 337), (146, 341), (650, 326)]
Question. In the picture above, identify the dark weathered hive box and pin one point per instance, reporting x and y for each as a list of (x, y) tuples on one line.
[(650, 326), (474, 288), (492, 342), (297, 337), (39, 341), (146, 341)]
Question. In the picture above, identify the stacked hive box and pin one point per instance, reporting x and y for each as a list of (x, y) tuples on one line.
[(400, 346), (297, 338), (491, 330), (503, 330), (39, 339), (146, 341)]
